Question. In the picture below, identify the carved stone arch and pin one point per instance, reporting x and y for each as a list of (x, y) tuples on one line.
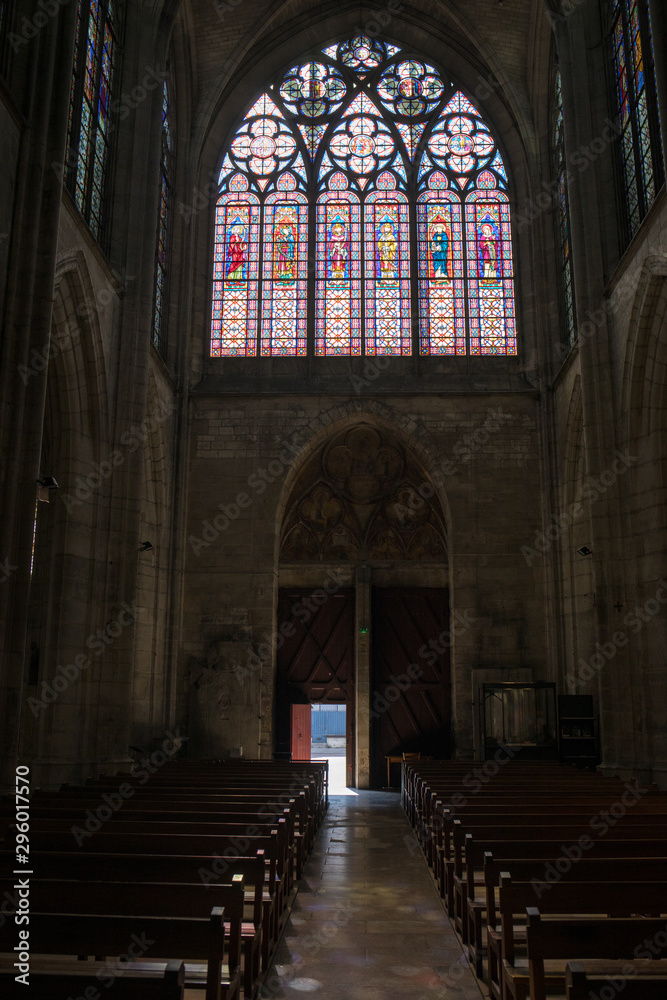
[(644, 396), (372, 413), (77, 358)]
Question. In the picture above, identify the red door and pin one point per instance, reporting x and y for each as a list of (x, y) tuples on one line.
[(409, 712), (300, 732)]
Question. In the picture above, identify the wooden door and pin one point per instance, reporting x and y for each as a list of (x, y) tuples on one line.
[(410, 710), (300, 732), (316, 659)]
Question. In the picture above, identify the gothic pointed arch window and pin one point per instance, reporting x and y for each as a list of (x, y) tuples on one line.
[(637, 107), (370, 163), (90, 128)]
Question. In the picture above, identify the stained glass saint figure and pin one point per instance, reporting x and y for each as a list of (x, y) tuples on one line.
[(439, 249), (237, 251), (387, 249), (338, 249), (488, 249), (286, 252)]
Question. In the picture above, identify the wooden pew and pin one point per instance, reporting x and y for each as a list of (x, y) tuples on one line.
[(87, 979), (535, 871), (211, 845), (194, 939), (155, 899), (584, 980), (197, 870), (551, 943), (565, 898), (468, 873)]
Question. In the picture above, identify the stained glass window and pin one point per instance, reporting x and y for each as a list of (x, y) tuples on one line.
[(89, 132), (567, 280), (235, 272), (641, 147), (387, 270), (340, 151), (338, 282), (441, 285), (490, 273), (285, 262), (163, 223)]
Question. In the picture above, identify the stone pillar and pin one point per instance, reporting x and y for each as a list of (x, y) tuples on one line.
[(43, 70), (362, 625)]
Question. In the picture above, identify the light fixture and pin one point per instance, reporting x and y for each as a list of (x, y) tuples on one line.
[(146, 547), (49, 483), (585, 551)]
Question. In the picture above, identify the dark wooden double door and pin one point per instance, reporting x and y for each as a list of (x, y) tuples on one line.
[(410, 676)]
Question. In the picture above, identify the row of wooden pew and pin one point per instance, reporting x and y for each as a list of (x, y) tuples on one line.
[(158, 884), (555, 879)]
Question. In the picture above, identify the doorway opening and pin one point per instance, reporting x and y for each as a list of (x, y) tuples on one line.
[(329, 742)]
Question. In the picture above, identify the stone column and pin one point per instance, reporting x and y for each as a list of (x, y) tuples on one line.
[(41, 75), (362, 624)]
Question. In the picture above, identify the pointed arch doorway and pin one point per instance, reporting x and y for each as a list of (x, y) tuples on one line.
[(362, 558)]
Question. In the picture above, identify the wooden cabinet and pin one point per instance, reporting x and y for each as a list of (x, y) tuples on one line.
[(577, 730)]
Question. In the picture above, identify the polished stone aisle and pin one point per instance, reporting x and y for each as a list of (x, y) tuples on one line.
[(367, 923)]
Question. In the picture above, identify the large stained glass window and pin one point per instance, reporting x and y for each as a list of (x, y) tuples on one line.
[(369, 162), (163, 223), (641, 147), (90, 127), (567, 279)]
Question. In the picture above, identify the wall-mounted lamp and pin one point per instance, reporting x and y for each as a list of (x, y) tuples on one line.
[(585, 551), (146, 547)]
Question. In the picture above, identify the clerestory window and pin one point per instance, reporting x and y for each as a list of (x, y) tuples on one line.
[(363, 210)]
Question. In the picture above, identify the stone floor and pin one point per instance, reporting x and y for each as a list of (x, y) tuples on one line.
[(367, 923)]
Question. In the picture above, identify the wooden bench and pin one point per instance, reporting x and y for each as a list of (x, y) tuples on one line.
[(156, 899), (466, 873), (193, 939), (565, 898), (551, 943), (79, 980), (616, 870), (628, 980)]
